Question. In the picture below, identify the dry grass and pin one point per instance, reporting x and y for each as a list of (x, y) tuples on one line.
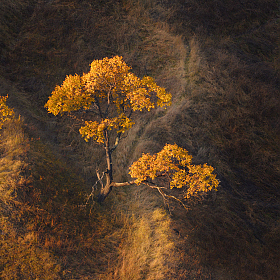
[(21, 255), (217, 17), (225, 112), (45, 229), (10, 21), (239, 110), (229, 117), (148, 249), (93, 241)]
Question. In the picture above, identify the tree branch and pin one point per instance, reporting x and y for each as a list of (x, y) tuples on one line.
[(108, 100), (100, 178), (114, 184), (95, 184), (164, 195)]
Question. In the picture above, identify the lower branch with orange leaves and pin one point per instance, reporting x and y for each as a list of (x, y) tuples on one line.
[(172, 168)]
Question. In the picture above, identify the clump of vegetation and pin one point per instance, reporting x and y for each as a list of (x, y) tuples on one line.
[(175, 165)]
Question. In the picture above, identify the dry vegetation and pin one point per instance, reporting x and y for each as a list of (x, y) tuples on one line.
[(220, 60)]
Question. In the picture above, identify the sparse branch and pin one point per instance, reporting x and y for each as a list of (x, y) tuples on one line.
[(100, 178), (93, 109), (164, 195), (108, 101), (129, 183)]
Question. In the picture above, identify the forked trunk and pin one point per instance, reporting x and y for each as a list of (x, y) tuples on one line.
[(104, 192), (106, 189)]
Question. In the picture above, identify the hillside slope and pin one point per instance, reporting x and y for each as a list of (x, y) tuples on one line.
[(220, 60)]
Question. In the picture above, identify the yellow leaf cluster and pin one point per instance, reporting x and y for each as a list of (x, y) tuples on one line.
[(95, 130), (6, 113), (106, 77), (175, 162), (69, 96), (140, 90), (113, 89), (201, 179)]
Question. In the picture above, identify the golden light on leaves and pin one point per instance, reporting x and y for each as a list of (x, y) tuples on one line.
[(94, 130), (174, 162), (6, 113), (113, 90), (69, 96)]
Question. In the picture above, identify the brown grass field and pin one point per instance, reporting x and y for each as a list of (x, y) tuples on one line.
[(221, 62)]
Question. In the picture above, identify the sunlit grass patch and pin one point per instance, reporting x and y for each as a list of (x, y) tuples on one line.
[(44, 216)]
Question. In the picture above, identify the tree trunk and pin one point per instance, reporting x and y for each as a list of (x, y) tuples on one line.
[(105, 190)]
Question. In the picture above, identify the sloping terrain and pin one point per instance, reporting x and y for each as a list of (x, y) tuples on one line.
[(220, 60)]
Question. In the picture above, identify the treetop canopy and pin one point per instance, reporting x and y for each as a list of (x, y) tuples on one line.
[(112, 91)]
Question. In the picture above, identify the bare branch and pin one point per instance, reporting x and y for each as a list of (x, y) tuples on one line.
[(99, 108), (114, 184), (100, 178), (164, 195)]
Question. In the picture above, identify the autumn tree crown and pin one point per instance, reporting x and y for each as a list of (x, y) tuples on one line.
[(113, 91)]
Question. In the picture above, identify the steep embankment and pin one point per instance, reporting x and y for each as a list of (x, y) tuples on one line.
[(220, 60)]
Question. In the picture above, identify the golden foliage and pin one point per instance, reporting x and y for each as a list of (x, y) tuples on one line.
[(69, 96), (6, 113), (93, 129), (112, 92), (174, 162)]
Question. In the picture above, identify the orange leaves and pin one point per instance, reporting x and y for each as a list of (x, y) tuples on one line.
[(201, 179), (169, 160), (175, 163), (95, 130), (141, 91), (176, 153), (114, 90), (106, 76), (138, 95), (163, 98), (6, 113), (143, 168), (69, 96)]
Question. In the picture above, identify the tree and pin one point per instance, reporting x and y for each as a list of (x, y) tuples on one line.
[(110, 93)]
